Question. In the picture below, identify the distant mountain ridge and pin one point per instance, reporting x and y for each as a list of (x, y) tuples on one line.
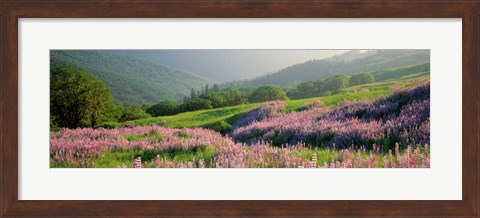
[(320, 69), (351, 55), (223, 65), (133, 81)]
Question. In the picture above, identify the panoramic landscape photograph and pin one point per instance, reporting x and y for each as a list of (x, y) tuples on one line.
[(240, 108)]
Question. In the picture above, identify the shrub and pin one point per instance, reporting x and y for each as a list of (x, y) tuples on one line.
[(217, 99), (327, 93), (335, 83), (107, 125), (198, 104), (164, 108), (55, 128), (221, 126), (308, 106), (236, 97), (361, 78), (268, 93), (133, 113)]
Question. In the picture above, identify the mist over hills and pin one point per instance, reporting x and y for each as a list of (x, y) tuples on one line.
[(133, 81), (138, 77), (350, 55), (224, 65), (349, 63)]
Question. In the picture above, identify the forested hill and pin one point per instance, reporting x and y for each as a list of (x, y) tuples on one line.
[(320, 69), (133, 81)]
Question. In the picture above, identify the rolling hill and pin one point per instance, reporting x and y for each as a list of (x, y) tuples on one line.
[(133, 81), (320, 69), (391, 73)]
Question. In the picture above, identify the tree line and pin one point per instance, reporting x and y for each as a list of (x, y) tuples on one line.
[(329, 86), (216, 98)]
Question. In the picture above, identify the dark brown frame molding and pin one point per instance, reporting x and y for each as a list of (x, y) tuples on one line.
[(12, 10)]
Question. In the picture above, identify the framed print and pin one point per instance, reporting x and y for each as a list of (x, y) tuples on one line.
[(269, 108)]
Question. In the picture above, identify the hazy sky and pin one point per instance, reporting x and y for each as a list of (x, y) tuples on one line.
[(227, 65)]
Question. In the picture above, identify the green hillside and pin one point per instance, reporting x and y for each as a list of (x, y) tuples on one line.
[(320, 69), (391, 73), (204, 118), (133, 81)]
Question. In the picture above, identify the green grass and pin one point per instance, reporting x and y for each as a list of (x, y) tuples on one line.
[(375, 90), (183, 135), (199, 118), (401, 82), (151, 136), (392, 73), (323, 155), (54, 164), (333, 100), (327, 155), (113, 159)]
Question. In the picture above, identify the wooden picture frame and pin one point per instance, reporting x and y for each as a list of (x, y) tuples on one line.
[(468, 11)]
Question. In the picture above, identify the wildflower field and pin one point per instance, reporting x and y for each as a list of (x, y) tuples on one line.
[(367, 128)]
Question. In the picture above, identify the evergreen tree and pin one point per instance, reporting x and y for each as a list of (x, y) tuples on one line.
[(236, 97), (193, 94), (215, 88)]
